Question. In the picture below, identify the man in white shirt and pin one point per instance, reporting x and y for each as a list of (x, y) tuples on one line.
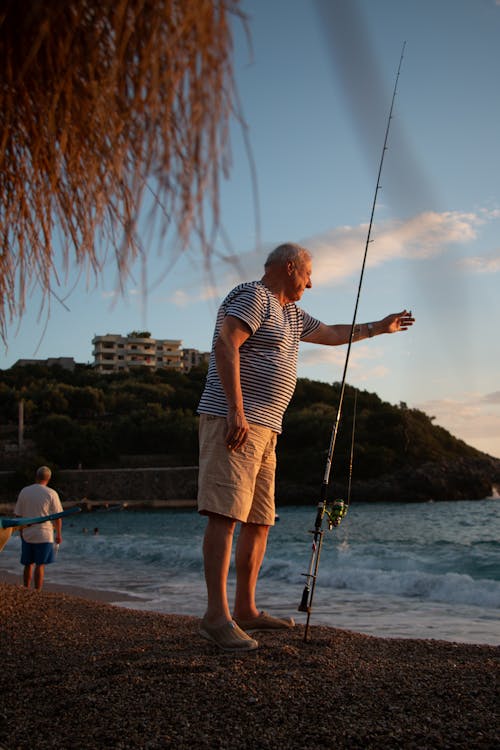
[(38, 540)]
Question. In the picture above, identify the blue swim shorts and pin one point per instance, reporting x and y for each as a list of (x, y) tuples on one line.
[(40, 554)]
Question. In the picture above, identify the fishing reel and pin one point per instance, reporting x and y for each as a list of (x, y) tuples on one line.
[(335, 513)]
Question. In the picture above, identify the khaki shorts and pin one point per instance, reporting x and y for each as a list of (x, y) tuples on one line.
[(237, 484)]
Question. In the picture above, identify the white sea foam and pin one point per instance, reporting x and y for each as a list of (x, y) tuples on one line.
[(452, 588)]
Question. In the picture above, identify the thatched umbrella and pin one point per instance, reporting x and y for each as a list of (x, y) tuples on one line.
[(106, 107)]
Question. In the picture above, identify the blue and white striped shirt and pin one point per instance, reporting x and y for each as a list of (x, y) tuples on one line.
[(268, 358)]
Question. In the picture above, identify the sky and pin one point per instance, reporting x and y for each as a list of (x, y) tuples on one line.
[(315, 87)]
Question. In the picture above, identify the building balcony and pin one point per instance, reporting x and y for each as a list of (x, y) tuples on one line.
[(140, 362), (142, 351)]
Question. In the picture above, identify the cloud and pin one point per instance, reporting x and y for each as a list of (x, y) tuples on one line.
[(321, 355), (489, 213), (312, 358), (180, 298), (118, 294), (472, 417), (183, 298), (338, 254), (492, 398), (482, 264)]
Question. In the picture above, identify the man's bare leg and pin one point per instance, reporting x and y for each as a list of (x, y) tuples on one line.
[(217, 546), (250, 551), (39, 576), (27, 575)]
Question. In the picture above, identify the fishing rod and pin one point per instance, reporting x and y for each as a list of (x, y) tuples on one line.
[(338, 510), (334, 513)]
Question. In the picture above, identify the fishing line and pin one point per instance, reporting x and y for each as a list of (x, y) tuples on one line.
[(339, 508)]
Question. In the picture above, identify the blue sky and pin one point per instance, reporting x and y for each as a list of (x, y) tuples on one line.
[(315, 89)]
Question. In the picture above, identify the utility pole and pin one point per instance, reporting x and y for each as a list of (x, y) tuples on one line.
[(20, 427)]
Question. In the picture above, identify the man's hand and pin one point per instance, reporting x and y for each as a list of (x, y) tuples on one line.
[(397, 322), (237, 429)]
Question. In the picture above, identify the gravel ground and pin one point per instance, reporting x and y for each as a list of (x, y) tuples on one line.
[(78, 674)]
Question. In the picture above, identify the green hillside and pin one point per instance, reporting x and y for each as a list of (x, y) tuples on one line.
[(387, 437), (86, 419)]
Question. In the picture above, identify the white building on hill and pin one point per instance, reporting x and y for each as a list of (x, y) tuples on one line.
[(114, 353)]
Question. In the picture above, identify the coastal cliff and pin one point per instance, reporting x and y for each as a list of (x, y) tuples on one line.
[(447, 479)]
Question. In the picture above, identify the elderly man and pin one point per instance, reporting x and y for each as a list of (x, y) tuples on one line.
[(250, 381), (38, 541)]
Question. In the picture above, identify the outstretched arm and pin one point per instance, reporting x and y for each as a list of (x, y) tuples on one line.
[(335, 335)]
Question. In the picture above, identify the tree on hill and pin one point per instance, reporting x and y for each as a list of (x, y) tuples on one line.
[(388, 438), (83, 416)]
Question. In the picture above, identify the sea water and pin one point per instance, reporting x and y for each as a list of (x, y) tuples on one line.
[(419, 570)]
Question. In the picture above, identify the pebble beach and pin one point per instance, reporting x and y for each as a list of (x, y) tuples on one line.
[(79, 673)]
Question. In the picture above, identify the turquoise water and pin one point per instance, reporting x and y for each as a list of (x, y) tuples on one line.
[(425, 570)]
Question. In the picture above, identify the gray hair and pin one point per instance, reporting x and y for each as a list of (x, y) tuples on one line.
[(43, 472), (286, 252)]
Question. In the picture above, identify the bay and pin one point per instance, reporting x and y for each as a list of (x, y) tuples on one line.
[(419, 570)]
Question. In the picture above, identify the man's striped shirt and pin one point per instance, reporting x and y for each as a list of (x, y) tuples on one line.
[(268, 358)]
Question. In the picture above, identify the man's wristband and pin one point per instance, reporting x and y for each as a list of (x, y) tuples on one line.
[(370, 330)]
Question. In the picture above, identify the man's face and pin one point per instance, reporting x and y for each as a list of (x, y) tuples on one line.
[(299, 278)]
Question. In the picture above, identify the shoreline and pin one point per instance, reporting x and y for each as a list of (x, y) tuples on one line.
[(97, 595), (100, 675), (139, 603), (7, 508)]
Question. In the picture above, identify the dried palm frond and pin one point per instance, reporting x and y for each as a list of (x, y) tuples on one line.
[(104, 103)]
